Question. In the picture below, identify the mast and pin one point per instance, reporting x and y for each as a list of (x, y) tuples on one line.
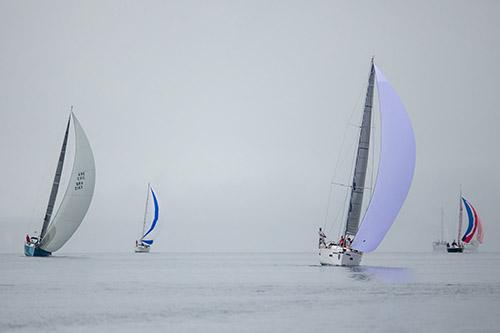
[(57, 179), (145, 213), (442, 225), (358, 182), (460, 216)]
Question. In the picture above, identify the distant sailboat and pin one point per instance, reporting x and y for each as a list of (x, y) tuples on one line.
[(440, 245), (474, 235), (395, 174), (143, 245), (76, 201)]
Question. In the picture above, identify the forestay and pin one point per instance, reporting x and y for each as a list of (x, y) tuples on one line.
[(395, 170), (76, 200)]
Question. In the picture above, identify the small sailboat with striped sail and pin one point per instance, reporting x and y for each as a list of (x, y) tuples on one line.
[(396, 165), (144, 243), (474, 234), (74, 205)]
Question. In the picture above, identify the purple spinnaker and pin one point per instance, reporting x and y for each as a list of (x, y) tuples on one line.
[(395, 169)]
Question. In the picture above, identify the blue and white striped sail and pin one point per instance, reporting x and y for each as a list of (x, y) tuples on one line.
[(147, 237)]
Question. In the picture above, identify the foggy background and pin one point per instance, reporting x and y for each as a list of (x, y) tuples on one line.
[(235, 112)]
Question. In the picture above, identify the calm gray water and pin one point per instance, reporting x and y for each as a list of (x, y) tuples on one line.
[(161, 292)]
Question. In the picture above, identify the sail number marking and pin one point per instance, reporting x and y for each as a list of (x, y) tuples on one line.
[(80, 178)]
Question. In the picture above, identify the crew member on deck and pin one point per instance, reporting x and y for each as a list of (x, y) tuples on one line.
[(322, 238), (342, 241)]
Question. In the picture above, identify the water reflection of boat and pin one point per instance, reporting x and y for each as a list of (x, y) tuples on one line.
[(381, 274)]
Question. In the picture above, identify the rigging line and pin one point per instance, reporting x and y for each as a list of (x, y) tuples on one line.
[(325, 222), (342, 208), (335, 171), (343, 211), (337, 217), (350, 186), (335, 220), (353, 170), (353, 111)]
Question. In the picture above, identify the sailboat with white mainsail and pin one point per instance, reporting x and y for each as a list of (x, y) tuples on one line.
[(474, 234), (440, 245), (58, 230), (395, 173), (144, 243)]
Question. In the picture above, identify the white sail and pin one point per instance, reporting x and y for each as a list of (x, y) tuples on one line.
[(76, 200)]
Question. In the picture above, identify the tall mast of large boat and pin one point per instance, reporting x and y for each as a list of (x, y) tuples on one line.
[(358, 182), (145, 213), (55, 183), (442, 224), (460, 216)]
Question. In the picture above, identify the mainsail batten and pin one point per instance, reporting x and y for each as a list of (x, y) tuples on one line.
[(77, 197), (358, 183), (395, 169)]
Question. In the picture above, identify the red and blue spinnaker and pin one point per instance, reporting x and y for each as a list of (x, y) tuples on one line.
[(475, 227)]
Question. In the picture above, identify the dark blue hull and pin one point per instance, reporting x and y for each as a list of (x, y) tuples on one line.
[(33, 251)]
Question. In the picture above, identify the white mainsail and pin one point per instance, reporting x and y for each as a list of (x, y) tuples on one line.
[(78, 195)]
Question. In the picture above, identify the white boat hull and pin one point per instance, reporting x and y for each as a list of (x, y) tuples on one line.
[(142, 249), (439, 247), (339, 256)]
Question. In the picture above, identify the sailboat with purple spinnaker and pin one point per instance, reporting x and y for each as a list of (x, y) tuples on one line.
[(395, 173)]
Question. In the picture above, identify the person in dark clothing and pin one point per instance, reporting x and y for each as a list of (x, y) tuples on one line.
[(322, 238)]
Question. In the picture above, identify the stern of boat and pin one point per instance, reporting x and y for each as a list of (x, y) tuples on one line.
[(30, 250), (455, 250), (142, 249), (339, 256)]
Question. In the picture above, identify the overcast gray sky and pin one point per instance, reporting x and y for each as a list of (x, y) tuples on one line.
[(235, 111)]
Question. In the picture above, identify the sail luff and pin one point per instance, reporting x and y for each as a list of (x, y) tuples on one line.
[(358, 182), (460, 217), (145, 213), (55, 183)]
